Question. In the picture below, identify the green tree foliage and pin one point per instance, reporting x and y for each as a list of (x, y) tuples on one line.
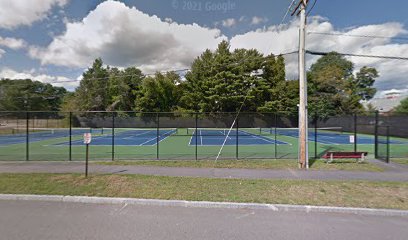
[(333, 89), (92, 94), (160, 93), (123, 87), (220, 81), (106, 89), (22, 95), (402, 107)]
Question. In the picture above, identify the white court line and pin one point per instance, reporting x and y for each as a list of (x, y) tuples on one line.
[(155, 138), (248, 135), (265, 139)]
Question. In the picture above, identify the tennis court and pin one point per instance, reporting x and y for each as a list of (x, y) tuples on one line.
[(217, 137), (133, 135), (129, 137), (328, 136)]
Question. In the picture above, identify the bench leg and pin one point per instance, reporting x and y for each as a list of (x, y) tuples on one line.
[(362, 158), (331, 158)]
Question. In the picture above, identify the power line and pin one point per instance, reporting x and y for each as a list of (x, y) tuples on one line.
[(287, 12), (311, 8), (357, 35), (358, 55)]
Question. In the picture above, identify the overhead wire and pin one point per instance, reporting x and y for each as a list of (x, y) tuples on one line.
[(311, 8), (356, 35), (358, 55)]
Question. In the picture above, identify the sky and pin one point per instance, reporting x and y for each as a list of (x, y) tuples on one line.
[(55, 41)]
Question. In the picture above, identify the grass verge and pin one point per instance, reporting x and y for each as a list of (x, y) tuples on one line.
[(346, 165), (401, 160), (392, 195)]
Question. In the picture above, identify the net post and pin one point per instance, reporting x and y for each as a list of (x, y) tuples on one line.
[(113, 136), (157, 135), (355, 132), (388, 144), (237, 141), (196, 136), (70, 136), (27, 136), (376, 135)]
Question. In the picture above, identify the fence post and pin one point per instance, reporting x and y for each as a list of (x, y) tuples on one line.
[(388, 144), (376, 135), (196, 136), (27, 136), (355, 132), (275, 136), (315, 136), (158, 136), (237, 137), (113, 136), (70, 136)]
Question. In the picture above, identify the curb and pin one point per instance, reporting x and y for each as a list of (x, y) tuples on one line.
[(204, 204)]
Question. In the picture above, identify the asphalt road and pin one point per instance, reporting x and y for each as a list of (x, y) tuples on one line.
[(56, 220)]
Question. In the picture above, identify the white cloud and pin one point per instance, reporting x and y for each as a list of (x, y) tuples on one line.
[(403, 92), (230, 22), (392, 72), (257, 20), (14, 13), (2, 52), (124, 36), (12, 43), (58, 81)]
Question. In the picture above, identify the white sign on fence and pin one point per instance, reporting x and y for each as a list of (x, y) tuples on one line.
[(87, 138), (352, 140)]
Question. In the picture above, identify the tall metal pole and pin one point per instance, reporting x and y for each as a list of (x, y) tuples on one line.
[(303, 118)]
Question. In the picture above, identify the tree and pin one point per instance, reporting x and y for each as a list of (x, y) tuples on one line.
[(91, 95), (333, 89), (22, 95), (220, 81), (160, 93), (123, 88), (363, 82), (402, 107)]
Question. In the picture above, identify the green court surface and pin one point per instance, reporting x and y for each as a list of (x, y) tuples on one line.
[(177, 145)]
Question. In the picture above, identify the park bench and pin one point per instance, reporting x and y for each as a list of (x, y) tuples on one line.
[(330, 155)]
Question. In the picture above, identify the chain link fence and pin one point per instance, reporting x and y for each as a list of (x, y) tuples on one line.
[(58, 136)]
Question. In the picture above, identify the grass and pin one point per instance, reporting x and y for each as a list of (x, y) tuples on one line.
[(346, 165), (400, 160), (392, 195)]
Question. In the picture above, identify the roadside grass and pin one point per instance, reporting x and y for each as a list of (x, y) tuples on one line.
[(400, 160), (367, 194), (346, 165)]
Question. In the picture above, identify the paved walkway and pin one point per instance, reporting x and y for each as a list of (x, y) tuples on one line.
[(391, 174)]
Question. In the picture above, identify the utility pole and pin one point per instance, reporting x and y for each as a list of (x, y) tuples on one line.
[(300, 10)]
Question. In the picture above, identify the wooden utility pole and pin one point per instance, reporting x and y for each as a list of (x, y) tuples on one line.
[(300, 10)]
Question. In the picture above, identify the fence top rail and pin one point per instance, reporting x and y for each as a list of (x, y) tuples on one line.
[(146, 112)]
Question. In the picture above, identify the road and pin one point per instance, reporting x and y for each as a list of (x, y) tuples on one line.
[(56, 220)]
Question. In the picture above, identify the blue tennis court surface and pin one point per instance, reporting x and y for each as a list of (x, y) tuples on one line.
[(217, 138), (36, 135), (135, 137), (326, 137)]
